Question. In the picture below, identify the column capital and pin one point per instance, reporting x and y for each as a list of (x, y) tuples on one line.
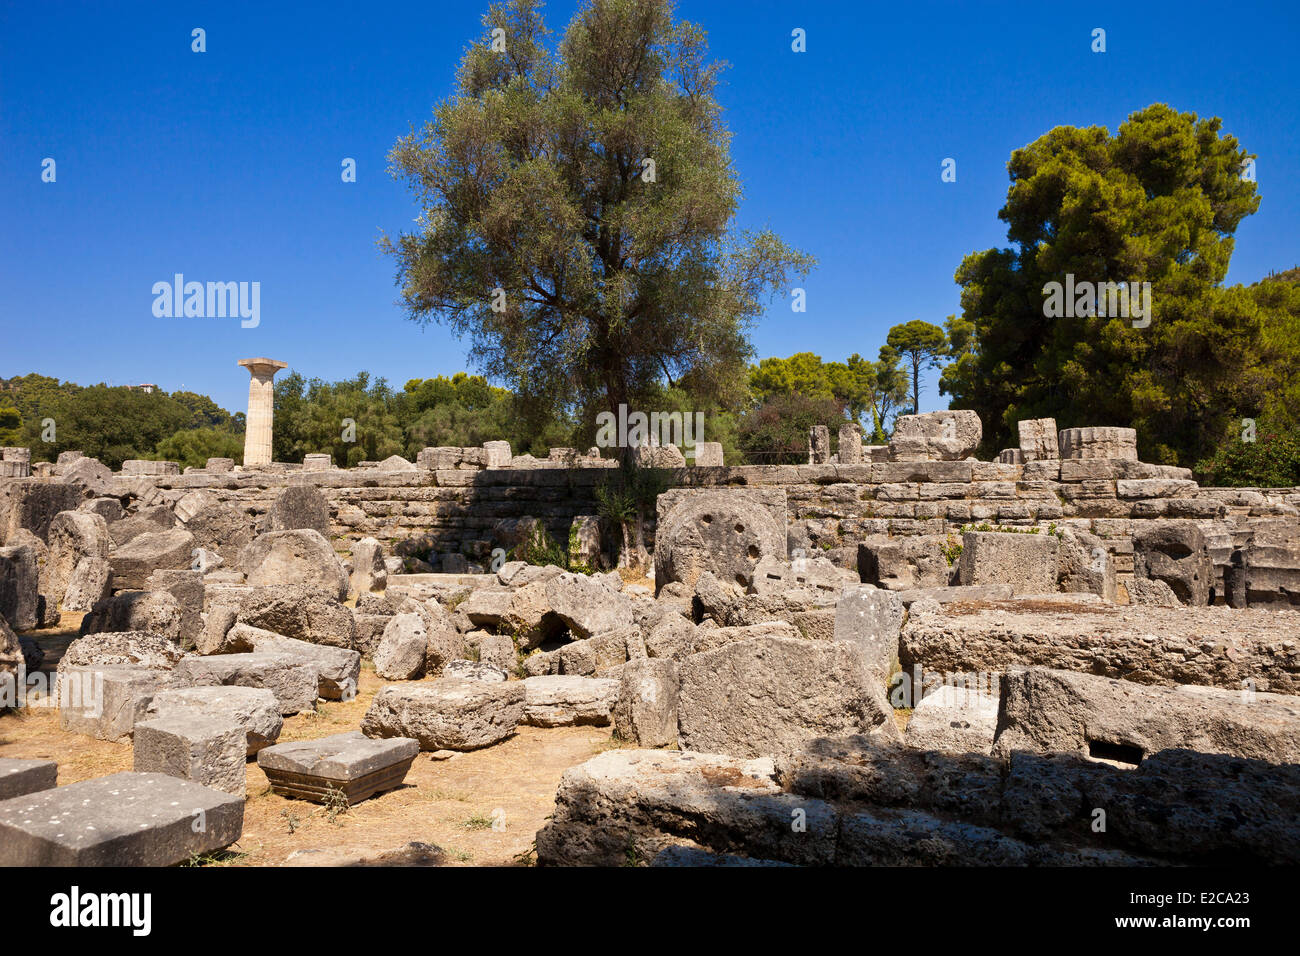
[(262, 366)]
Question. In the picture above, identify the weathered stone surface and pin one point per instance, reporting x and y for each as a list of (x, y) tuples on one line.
[(474, 670), (19, 587), (126, 819), (632, 804), (447, 714), (77, 570), (296, 557), (726, 533), (1027, 562), (138, 648), (148, 520), (646, 710), (567, 701), (936, 436), (351, 763), (708, 454), (110, 509), (1085, 565), (21, 777), (188, 589), (498, 651), (1051, 711), (524, 611), (157, 612), (368, 571), (205, 749), (949, 595), (587, 605), (11, 662), (300, 507), (869, 620), (1175, 552), (255, 709), (1212, 646), (133, 562), (107, 700), (1108, 443), (953, 720), (905, 562), (294, 681), (1150, 592), (301, 612), (401, 652), (221, 530), (32, 503), (370, 631), (774, 576), (339, 669), (819, 445), (765, 694), (1038, 439)]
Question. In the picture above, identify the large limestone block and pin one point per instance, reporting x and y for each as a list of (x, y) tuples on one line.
[(1038, 439), (905, 562), (1104, 442), (338, 669), (447, 714), (301, 612), (299, 507), (936, 436), (294, 681), (1213, 646), (587, 604), (1085, 565), (368, 570), (106, 701), (126, 819), (32, 503), (870, 620), (726, 532), (220, 529), (401, 652), (204, 749), (953, 720), (632, 804), (1052, 711), (765, 694), (137, 648), (524, 611), (646, 710), (351, 763), (20, 603), (301, 557), (133, 562), (77, 570), (254, 709), (1027, 562), (1175, 552), (568, 701), (157, 612), (21, 777)]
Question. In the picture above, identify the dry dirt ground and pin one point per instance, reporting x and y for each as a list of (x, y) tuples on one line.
[(482, 808)]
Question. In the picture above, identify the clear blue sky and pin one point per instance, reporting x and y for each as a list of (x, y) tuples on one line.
[(225, 165)]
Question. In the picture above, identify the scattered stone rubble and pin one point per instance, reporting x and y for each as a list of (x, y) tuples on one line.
[(888, 656)]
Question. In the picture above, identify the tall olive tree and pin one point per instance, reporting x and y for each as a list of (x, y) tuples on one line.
[(576, 211)]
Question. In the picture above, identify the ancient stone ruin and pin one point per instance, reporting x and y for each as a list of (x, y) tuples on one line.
[(891, 655)]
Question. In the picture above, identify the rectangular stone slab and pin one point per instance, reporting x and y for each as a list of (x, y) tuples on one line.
[(127, 819), (358, 765), (21, 777)]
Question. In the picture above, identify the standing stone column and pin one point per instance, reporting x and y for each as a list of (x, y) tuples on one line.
[(261, 409), (850, 443), (819, 445)]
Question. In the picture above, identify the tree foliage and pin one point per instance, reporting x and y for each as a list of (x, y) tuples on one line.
[(535, 179), (1157, 202)]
